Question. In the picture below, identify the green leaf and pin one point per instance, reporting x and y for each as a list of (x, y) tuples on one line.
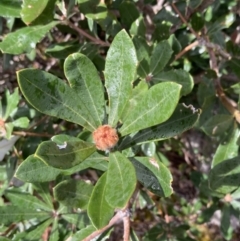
[(21, 122), (73, 193), (80, 220), (217, 124), (11, 103), (10, 8), (137, 94), (179, 76), (39, 12), (121, 180), (197, 21), (54, 235), (26, 200), (121, 63), (155, 107), (43, 191), (93, 9), (153, 175), (84, 79), (227, 149), (51, 96), (99, 211), (18, 214), (225, 177), (226, 227), (160, 57), (34, 233), (64, 157), (62, 50), (35, 170), (83, 233), (25, 39), (235, 66), (128, 12), (182, 119)]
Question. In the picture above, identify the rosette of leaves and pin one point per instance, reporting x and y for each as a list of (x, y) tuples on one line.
[(138, 113)]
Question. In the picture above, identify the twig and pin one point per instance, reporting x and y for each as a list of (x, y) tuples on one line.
[(25, 133), (126, 225), (119, 216), (186, 49), (184, 20), (87, 35)]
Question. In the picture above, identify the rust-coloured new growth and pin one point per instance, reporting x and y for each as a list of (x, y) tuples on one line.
[(105, 137)]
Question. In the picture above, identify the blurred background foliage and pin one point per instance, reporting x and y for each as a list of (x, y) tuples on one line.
[(205, 40)]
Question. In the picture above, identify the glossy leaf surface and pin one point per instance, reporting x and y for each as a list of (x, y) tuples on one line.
[(225, 176), (99, 211), (160, 57), (153, 175), (11, 103), (73, 193), (121, 180), (155, 107), (178, 76), (9, 8), (40, 11), (53, 97), (25, 39), (74, 153), (227, 149), (35, 170), (182, 119), (85, 81), (121, 63)]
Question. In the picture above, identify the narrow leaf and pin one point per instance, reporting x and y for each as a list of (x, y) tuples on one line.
[(54, 235), (155, 107), (72, 154), (84, 79), (182, 119), (35, 232), (73, 193), (83, 233), (224, 177), (43, 189), (11, 103), (160, 57), (99, 211), (26, 200), (25, 39), (121, 63), (121, 180), (227, 150), (153, 175), (18, 214), (53, 97)]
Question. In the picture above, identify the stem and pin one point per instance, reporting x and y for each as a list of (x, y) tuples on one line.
[(119, 216), (186, 49), (87, 35), (126, 225), (25, 133)]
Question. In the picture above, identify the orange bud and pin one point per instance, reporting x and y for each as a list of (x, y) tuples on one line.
[(105, 137)]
